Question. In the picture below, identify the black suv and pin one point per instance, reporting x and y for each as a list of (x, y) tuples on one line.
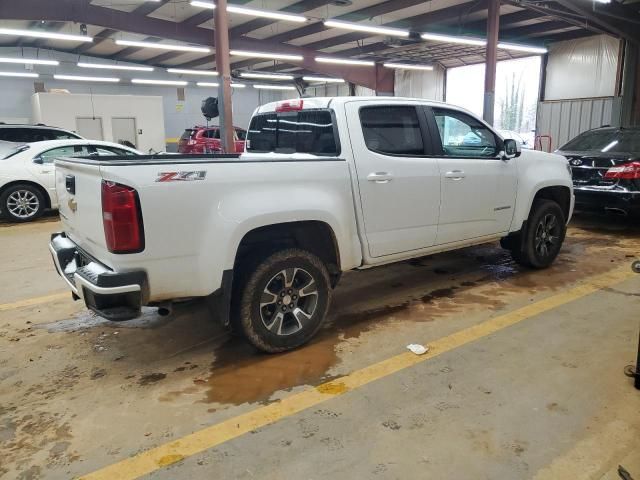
[(33, 133), (605, 165)]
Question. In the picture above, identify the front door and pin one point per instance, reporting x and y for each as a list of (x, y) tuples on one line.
[(478, 187), (399, 184)]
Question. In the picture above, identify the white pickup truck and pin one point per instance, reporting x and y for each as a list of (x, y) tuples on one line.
[(325, 185)]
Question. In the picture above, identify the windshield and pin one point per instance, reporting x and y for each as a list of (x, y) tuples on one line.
[(612, 141), (306, 131), (8, 153)]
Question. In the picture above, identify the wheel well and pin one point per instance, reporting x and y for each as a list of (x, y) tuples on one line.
[(559, 194), (40, 188), (313, 236)]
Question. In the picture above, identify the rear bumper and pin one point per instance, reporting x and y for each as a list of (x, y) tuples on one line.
[(607, 201), (114, 296)]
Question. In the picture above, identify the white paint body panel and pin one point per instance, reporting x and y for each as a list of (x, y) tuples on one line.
[(193, 229)]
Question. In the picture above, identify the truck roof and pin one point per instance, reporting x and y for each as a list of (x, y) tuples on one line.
[(325, 102)]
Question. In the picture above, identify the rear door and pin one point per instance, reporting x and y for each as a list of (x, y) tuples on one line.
[(478, 187), (399, 182)]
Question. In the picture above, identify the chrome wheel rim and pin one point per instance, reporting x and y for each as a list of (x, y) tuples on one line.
[(547, 235), (288, 301), (23, 204)]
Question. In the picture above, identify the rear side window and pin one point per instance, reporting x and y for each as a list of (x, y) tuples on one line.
[(393, 130), (306, 131), (212, 133), (188, 133)]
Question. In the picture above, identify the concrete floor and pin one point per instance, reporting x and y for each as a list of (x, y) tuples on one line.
[(544, 398)]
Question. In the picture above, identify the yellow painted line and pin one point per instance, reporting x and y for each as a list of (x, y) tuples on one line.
[(30, 302), (171, 140), (156, 458)]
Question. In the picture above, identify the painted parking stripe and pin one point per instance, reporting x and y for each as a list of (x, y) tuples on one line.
[(30, 302), (172, 452)]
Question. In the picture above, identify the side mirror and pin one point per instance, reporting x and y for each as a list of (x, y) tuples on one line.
[(511, 149), (38, 160)]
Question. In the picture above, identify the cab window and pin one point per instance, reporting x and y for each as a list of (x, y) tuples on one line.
[(464, 136)]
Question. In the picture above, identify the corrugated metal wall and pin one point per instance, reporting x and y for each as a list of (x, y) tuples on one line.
[(564, 119)]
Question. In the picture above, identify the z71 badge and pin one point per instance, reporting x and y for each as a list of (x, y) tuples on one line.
[(181, 176)]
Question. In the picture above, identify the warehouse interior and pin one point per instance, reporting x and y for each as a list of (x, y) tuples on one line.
[(526, 373)]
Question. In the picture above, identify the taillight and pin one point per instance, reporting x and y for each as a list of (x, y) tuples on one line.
[(122, 218), (290, 105), (626, 171)]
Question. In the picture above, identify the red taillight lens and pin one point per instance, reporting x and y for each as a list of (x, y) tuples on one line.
[(626, 171), (290, 105), (121, 218)]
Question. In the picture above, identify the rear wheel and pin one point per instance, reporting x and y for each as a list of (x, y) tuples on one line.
[(546, 229), (22, 203), (282, 300)]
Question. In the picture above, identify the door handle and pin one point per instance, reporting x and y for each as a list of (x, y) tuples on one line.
[(380, 177), (455, 174)]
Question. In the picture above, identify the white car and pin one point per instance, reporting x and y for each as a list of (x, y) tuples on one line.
[(27, 173), (326, 185)]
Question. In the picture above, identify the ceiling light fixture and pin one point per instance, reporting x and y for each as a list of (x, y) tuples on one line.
[(183, 71), (266, 76), (19, 74), (29, 61), (408, 66), (254, 12), (322, 79), (436, 37), (41, 34), (147, 81), (209, 84), (274, 87), (104, 66), (77, 78), (163, 46), (395, 32), (345, 61), (521, 48), (270, 56)]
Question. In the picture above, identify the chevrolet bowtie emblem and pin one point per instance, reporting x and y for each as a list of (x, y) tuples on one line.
[(73, 206)]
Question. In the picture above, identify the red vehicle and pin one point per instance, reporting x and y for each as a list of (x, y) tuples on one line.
[(207, 140)]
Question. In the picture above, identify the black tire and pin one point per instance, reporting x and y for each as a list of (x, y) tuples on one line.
[(32, 209), (545, 232), (266, 287)]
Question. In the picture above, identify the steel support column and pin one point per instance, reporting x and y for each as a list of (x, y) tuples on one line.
[(493, 27), (224, 74)]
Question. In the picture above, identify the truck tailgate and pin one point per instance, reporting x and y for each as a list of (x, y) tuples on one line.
[(78, 185)]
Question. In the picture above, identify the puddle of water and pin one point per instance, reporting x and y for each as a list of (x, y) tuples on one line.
[(87, 319)]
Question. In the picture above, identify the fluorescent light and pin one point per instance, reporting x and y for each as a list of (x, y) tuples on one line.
[(610, 146), (19, 74), (266, 14), (274, 87), (408, 66), (105, 66), (163, 46), (521, 48), (147, 81), (271, 56), (209, 84), (345, 61), (29, 61), (396, 32), (479, 42), (77, 78), (254, 12), (266, 76), (42, 34), (192, 72), (322, 79)]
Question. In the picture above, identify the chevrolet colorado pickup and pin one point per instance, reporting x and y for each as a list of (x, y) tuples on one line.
[(325, 185)]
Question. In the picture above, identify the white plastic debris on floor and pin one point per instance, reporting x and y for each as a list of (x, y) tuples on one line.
[(417, 349)]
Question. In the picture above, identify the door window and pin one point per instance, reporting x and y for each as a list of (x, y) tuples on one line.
[(212, 133), (392, 130), (71, 151), (464, 136), (104, 151)]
